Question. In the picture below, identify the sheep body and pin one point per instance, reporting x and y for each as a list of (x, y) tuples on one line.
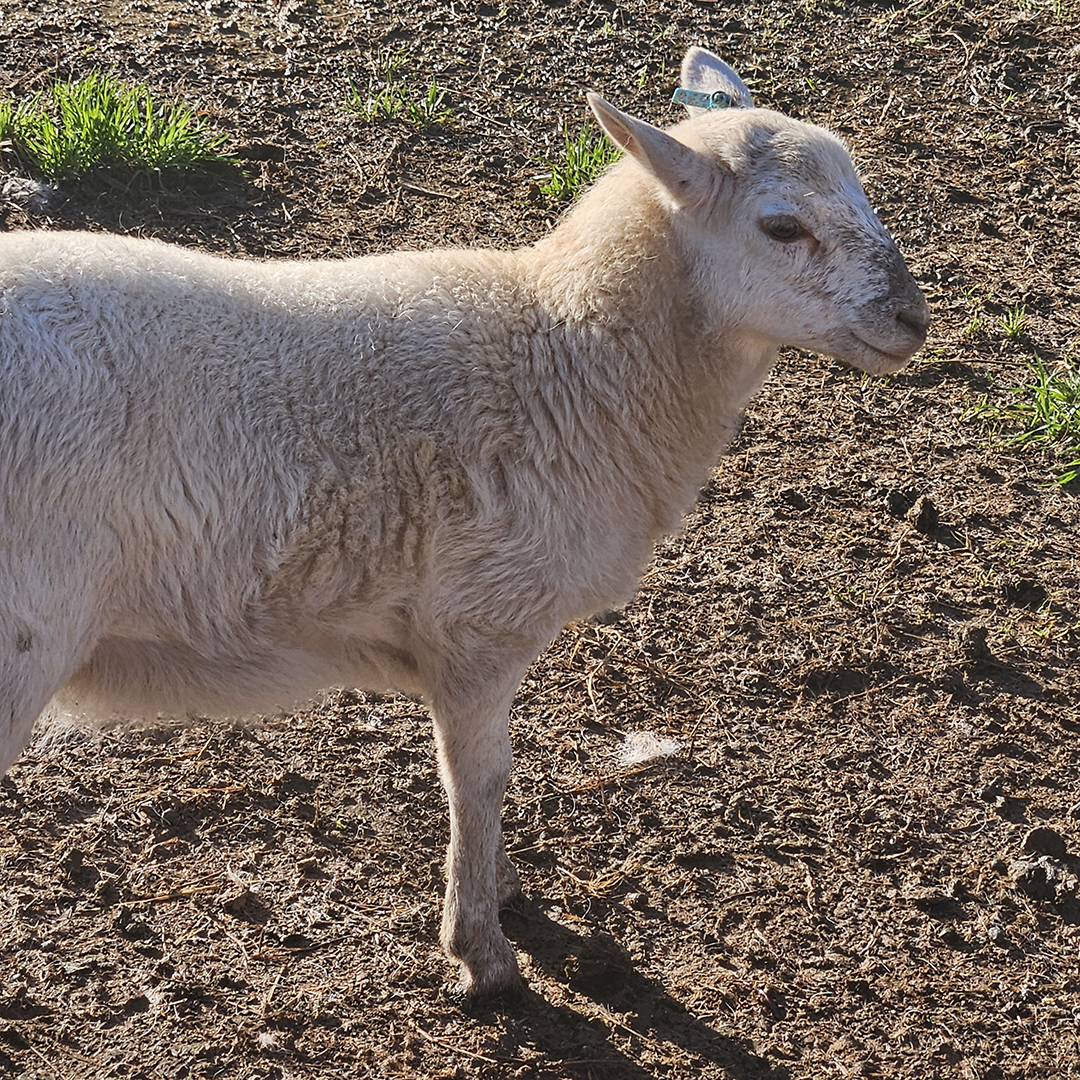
[(229, 484), (368, 417)]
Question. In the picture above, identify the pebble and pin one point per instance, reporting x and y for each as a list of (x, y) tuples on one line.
[(923, 515)]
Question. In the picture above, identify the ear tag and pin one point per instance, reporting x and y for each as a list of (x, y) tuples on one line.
[(695, 99)]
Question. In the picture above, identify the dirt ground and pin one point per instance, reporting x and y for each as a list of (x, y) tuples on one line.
[(857, 853)]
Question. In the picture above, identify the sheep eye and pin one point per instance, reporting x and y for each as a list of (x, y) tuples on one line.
[(783, 227)]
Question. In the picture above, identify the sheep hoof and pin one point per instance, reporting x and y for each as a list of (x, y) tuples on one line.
[(467, 993), (497, 977)]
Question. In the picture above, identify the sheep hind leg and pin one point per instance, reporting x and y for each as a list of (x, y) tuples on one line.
[(474, 763)]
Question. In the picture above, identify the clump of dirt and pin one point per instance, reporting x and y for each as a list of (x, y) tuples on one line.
[(861, 858)]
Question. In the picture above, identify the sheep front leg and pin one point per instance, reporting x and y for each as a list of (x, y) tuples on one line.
[(25, 688), (46, 611), (474, 764)]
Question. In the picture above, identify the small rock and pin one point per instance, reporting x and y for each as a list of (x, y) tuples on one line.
[(923, 515), (1043, 840)]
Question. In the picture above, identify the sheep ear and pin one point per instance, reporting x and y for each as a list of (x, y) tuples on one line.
[(689, 177), (706, 72)]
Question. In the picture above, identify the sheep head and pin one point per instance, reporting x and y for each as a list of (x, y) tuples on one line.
[(779, 238)]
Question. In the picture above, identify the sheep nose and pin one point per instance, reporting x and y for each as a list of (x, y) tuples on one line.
[(914, 320)]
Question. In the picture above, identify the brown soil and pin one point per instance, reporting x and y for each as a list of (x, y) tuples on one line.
[(863, 859)]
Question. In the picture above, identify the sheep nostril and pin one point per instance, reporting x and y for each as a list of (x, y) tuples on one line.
[(915, 320)]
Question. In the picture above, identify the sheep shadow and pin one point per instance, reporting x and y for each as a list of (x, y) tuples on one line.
[(196, 206), (598, 968)]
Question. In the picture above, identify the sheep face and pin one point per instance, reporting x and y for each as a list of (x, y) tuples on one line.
[(779, 239), (787, 246)]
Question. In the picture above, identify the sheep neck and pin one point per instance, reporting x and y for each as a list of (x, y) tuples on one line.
[(667, 390)]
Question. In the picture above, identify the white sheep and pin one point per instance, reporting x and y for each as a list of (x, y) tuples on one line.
[(226, 485)]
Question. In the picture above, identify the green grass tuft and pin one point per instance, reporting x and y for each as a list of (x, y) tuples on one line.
[(586, 156), (7, 123), (1047, 411), (95, 121), (386, 96), (1014, 322)]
